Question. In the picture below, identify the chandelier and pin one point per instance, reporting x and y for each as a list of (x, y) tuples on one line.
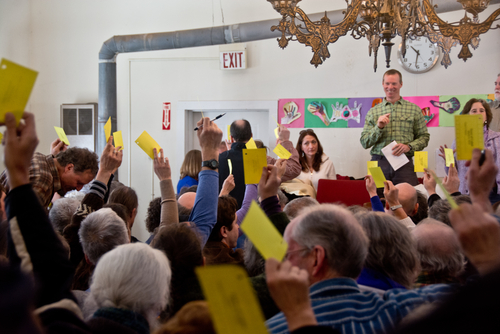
[(379, 21)]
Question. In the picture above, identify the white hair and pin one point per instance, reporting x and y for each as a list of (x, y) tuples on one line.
[(62, 211), (135, 277), (102, 231)]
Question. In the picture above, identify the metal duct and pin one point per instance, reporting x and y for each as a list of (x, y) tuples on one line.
[(236, 33)]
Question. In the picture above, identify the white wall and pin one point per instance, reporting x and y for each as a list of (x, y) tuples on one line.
[(61, 39)]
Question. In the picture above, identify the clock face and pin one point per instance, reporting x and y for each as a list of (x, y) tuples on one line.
[(421, 55)]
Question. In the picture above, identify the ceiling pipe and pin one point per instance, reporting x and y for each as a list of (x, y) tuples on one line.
[(236, 33)]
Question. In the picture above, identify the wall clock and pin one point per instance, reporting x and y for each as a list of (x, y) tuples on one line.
[(421, 55)]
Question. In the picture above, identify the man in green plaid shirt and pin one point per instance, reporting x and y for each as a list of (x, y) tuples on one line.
[(399, 120)]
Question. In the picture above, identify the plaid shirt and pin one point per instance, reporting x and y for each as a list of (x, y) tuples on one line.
[(406, 126), (44, 178)]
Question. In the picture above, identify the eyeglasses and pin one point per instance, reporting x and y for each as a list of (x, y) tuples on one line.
[(306, 131), (287, 255)]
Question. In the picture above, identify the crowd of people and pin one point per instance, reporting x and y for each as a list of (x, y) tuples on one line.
[(407, 262)]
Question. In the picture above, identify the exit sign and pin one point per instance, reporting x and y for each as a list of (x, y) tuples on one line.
[(233, 60)]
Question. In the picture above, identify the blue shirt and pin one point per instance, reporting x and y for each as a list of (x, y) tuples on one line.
[(338, 303), (204, 213), (186, 181)]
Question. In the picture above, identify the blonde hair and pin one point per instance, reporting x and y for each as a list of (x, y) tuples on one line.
[(191, 165)]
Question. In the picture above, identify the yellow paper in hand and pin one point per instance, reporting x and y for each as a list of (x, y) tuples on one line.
[(421, 161), (263, 234), (233, 305), (107, 129), (251, 144), (230, 164), (62, 135), (450, 199), (16, 83), (469, 135), (117, 137), (370, 164), (229, 132), (253, 161), (276, 132), (450, 159), (282, 152), (1, 136), (378, 176), (147, 143)]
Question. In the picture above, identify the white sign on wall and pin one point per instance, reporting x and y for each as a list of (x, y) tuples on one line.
[(233, 60)]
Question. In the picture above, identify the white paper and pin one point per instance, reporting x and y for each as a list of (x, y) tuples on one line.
[(396, 162)]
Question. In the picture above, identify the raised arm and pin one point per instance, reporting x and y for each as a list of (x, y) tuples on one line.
[(293, 167), (204, 213), (169, 211), (33, 243)]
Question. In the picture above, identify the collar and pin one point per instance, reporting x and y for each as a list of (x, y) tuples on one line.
[(333, 287), (124, 317), (492, 134), (385, 102), (238, 146)]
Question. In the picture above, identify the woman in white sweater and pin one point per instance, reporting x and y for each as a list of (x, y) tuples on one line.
[(315, 164)]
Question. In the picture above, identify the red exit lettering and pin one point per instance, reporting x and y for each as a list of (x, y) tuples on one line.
[(232, 59)]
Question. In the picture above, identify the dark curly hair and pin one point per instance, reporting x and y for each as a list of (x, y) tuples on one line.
[(302, 158), (153, 216), (226, 212), (82, 158)]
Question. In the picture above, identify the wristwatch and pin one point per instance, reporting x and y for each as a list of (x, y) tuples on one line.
[(212, 164), (409, 146), (395, 207)]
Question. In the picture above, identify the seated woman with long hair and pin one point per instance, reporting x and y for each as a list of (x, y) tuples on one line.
[(315, 164)]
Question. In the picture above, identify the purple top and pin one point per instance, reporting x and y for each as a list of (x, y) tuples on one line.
[(492, 143), (250, 195)]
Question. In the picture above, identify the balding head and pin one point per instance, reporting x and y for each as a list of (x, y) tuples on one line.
[(408, 198), (331, 231), (438, 247), (187, 200), (241, 131)]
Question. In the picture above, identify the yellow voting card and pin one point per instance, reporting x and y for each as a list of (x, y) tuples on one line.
[(117, 137), (229, 132), (1, 136), (16, 83), (251, 144), (378, 176), (282, 152), (450, 199), (232, 302), (450, 159), (253, 161), (469, 135), (107, 129), (147, 143), (62, 135), (230, 164), (371, 164), (276, 132), (421, 161), (263, 234)]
